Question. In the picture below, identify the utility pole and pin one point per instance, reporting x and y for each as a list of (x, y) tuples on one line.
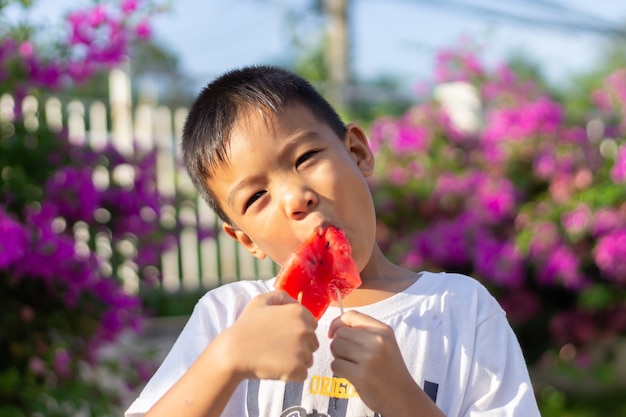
[(337, 51)]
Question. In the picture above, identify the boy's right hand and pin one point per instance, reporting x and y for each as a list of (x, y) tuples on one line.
[(274, 338)]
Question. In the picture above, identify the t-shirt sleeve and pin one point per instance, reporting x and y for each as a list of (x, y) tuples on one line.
[(214, 312), (192, 340), (499, 384)]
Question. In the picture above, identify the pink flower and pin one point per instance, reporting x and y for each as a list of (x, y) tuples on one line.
[(96, 16), (26, 50), (129, 6), (409, 138), (577, 221), (544, 165), (618, 172), (143, 30), (37, 366), (542, 116), (562, 266), (606, 220), (561, 188), (610, 255), (495, 198), (380, 132), (545, 239)]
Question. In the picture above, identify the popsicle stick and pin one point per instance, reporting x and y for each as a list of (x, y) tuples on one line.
[(300, 297), (339, 300)]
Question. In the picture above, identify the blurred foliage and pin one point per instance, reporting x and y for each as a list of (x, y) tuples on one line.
[(492, 175), (69, 225)]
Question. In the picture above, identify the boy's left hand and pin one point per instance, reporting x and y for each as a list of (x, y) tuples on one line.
[(367, 354)]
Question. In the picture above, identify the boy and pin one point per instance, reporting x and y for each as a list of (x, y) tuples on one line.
[(274, 160)]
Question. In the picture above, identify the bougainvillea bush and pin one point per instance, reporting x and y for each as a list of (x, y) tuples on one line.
[(529, 201), (66, 230)]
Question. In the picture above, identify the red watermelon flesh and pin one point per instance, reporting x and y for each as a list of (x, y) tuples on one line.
[(319, 266)]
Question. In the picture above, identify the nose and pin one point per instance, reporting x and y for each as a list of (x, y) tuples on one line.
[(299, 201)]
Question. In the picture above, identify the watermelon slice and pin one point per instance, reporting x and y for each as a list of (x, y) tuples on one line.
[(319, 267)]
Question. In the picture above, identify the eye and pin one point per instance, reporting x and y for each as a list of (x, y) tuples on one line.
[(252, 199), (305, 157)]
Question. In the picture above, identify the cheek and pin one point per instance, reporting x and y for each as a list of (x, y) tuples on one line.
[(278, 248)]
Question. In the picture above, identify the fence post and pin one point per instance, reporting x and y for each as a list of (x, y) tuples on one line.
[(120, 103)]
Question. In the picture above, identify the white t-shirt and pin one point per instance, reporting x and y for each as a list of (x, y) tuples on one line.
[(454, 337)]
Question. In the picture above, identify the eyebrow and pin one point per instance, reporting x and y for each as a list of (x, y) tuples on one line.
[(292, 141)]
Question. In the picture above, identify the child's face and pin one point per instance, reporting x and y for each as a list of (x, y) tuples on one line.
[(291, 174)]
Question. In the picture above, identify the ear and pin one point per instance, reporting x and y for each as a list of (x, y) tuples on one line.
[(357, 144), (244, 240)]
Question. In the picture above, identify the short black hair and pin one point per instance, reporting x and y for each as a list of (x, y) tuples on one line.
[(215, 111)]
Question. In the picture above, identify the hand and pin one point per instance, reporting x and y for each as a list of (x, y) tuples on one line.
[(274, 338), (367, 354)]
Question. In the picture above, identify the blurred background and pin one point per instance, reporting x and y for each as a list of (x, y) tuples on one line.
[(499, 134)]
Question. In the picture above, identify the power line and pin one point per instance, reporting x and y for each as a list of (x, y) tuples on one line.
[(539, 13)]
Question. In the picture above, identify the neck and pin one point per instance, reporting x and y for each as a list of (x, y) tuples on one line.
[(380, 278)]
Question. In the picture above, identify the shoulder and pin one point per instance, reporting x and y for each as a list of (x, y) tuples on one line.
[(459, 293), (452, 282), (244, 289), (226, 302)]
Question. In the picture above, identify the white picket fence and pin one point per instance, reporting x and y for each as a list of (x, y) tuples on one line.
[(194, 262)]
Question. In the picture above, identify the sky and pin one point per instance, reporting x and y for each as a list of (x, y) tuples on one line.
[(389, 37), (395, 37)]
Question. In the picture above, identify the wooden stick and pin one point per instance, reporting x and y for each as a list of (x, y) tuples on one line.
[(300, 297), (339, 300)]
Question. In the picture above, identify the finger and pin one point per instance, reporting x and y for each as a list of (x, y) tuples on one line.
[(345, 349), (345, 368), (354, 319)]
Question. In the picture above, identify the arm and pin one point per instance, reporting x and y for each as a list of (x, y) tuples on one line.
[(367, 354), (274, 338)]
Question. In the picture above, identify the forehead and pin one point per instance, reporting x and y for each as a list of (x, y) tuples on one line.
[(256, 127), (258, 135)]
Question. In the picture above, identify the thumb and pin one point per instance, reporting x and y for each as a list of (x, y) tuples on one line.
[(350, 318)]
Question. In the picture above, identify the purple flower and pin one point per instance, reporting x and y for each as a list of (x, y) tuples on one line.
[(72, 191), (122, 312), (13, 241), (47, 74), (500, 262), (61, 363), (447, 243), (562, 266)]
